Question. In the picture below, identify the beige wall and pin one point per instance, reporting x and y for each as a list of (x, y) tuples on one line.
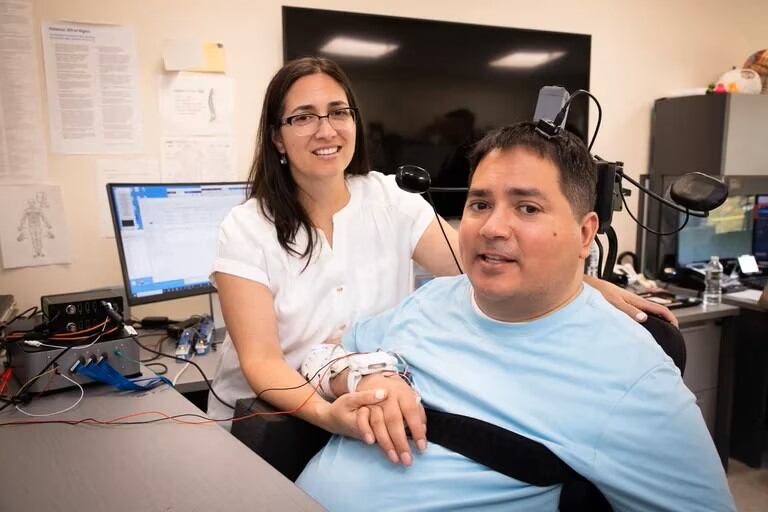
[(640, 51)]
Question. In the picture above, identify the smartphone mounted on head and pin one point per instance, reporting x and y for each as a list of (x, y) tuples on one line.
[(551, 104)]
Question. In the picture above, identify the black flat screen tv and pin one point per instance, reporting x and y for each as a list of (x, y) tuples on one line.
[(428, 90)]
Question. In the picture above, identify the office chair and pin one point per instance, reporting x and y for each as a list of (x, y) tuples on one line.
[(288, 443)]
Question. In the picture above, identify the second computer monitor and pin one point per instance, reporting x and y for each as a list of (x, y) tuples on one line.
[(760, 236), (726, 232)]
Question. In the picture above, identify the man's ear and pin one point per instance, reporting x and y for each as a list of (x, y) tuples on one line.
[(277, 140), (589, 225)]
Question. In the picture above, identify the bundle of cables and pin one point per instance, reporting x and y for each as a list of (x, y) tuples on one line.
[(102, 371)]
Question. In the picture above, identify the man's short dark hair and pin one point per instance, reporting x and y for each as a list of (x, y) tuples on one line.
[(578, 176)]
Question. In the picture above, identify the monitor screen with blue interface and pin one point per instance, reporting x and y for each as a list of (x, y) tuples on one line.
[(166, 235), (761, 228), (726, 233)]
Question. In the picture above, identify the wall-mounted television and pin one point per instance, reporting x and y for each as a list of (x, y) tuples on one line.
[(429, 89)]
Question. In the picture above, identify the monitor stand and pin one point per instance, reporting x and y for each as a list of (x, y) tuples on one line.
[(219, 329)]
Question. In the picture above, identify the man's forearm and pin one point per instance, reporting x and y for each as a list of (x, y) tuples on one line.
[(339, 383)]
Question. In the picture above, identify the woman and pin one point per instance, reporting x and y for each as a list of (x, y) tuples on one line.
[(321, 243)]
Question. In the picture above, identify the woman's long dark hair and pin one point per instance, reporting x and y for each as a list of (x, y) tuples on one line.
[(272, 183)]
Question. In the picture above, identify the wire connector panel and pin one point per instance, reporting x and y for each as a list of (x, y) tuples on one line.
[(186, 343)]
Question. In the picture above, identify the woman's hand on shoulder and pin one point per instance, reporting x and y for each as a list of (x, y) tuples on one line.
[(633, 305)]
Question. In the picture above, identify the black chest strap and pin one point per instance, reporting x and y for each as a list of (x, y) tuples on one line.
[(513, 455)]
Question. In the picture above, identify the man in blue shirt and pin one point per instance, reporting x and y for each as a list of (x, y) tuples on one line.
[(522, 343)]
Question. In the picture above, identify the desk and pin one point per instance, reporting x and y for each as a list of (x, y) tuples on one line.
[(156, 467), (709, 342), (750, 384)]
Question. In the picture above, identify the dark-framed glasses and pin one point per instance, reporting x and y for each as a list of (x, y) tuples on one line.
[(306, 124)]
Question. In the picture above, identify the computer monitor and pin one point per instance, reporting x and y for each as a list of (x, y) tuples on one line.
[(726, 232), (760, 240), (166, 235)]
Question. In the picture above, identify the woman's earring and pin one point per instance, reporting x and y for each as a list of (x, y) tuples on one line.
[(283, 159)]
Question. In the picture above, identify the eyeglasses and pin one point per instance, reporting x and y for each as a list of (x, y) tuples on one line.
[(307, 124)]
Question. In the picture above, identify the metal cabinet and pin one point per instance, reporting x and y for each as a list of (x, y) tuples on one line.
[(702, 344)]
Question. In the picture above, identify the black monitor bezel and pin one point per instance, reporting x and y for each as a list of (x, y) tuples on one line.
[(160, 297)]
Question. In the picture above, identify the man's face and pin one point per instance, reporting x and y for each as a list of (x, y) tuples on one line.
[(522, 247)]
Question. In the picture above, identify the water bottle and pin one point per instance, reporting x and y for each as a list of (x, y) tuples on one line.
[(713, 276)]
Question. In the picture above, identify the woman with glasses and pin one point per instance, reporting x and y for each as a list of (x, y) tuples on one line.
[(321, 243)]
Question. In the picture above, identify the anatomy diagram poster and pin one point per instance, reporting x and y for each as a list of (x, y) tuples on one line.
[(196, 104), (33, 230)]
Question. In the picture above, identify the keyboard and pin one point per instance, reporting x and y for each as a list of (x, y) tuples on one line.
[(755, 283)]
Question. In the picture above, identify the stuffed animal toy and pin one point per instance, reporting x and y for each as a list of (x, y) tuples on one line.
[(742, 81), (758, 62)]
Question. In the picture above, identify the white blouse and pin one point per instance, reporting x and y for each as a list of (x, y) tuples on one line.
[(368, 270)]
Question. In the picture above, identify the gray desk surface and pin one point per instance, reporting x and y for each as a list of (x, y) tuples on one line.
[(742, 302), (704, 313), (157, 467)]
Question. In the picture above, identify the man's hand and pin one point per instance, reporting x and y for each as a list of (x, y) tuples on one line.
[(631, 304), (387, 420)]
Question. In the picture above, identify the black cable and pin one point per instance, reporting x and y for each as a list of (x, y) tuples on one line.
[(662, 200), (651, 230), (167, 418), (91, 420), (49, 321), (432, 203), (182, 360), (32, 311), (610, 257), (22, 389), (53, 362), (156, 420), (162, 365), (599, 257), (326, 365), (561, 115), (157, 347), (115, 316)]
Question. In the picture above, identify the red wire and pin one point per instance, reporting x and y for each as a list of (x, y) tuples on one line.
[(93, 327), (68, 336), (119, 419), (57, 337), (5, 378)]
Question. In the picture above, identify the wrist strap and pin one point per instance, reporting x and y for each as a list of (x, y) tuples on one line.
[(318, 369), (367, 364), (353, 379)]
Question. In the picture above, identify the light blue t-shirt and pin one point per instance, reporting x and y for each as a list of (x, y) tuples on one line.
[(586, 381)]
